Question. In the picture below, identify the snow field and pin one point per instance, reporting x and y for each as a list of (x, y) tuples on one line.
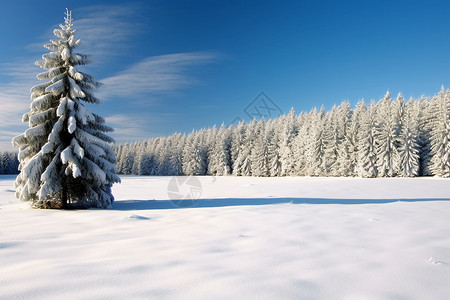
[(253, 238)]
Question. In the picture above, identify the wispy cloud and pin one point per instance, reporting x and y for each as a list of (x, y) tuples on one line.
[(156, 75), (139, 126), (102, 29), (15, 97), (105, 29)]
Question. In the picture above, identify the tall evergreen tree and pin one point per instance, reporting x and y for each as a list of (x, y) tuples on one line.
[(315, 148), (386, 135), (242, 164), (220, 155), (140, 147), (66, 159), (332, 138), (126, 159), (237, 140), (301, 145), (3, 162), (147, 160), (425, 128), (259, 152), (176, 155), (408, 138), (288, 133), (440, 134), (194, 154), (348, 127), (367, 157), (273, 149)]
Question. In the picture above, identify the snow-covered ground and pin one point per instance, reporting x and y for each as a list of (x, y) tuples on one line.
[(247, 238)]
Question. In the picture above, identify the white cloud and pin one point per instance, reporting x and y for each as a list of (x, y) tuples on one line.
[(156, 75), (15, 94), (136, 126), (104, 30)]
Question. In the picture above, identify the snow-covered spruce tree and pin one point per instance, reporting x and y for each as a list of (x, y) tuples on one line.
[(3, 162), (332, 138), (259, 152), (242, 164), (440, 134), (425, 128), (300, 144), (408, 137), (126, 159), (346, 159), (164, 158), (66, 159), (140, 146), (237, 140), (148, 159), (176, 155), (273, 155), (288, 133), (211, 137), (220, 153), (386, 135), (194, 154), (315, 150), (367, 157)]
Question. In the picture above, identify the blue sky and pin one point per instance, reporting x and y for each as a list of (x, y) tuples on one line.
[(174, 66)]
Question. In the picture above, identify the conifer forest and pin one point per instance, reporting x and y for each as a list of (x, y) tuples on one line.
[(388, 138)]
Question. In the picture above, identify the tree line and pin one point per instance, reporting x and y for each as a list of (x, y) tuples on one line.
[(9, 163), (388, 138)]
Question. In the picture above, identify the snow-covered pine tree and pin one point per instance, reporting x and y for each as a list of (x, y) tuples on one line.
[(346, 159), (12, 166), (300, 144), (211, 137), (332, 138), (440, 134), (308, 133), (140, 146), (219, 159), (259, 152), (408, 140), (66, 159), (315, 148), (386, 137), (273, 155), (425, 129), (189, 153), (203, 145), (237, 140), (288, 133), (242, 163), (194, 154), (176, 155), (126, 159), (118, 150), (3, 162), (163, 158), (148, 160), (367, 157)]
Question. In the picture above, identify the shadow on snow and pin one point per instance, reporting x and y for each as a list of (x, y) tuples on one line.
[(168, 204)]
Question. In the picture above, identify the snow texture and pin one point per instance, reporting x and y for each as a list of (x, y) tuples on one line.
[(246, 238)]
